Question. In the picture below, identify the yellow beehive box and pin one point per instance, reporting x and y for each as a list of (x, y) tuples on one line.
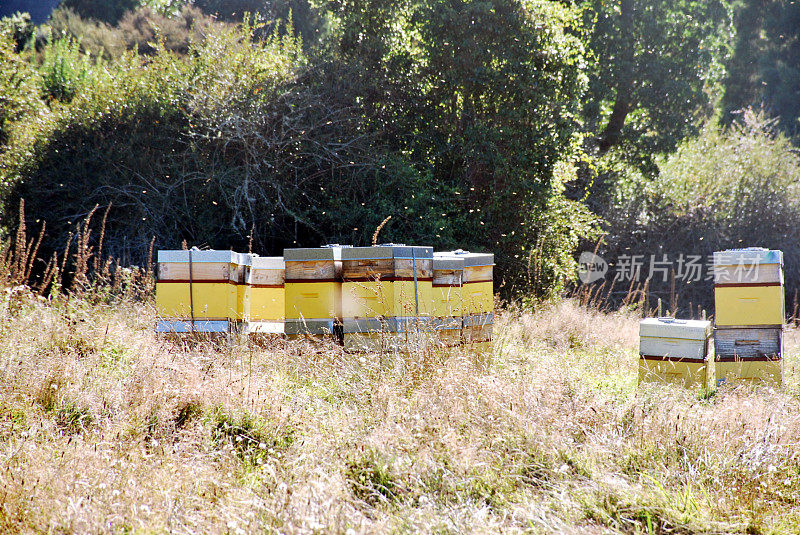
[(748, 287), (265, 279), (448, 273), (675, 351), (391, 299), (209, 285), (207, 300), (767, 370), (393, 281), (313, 290), (749, 305), (478, 286), (387, 297)]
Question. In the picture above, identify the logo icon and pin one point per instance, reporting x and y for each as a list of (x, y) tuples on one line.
[(591, 267)]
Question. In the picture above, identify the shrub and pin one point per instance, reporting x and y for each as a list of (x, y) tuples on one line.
[(18, 93), (733, 187), (64, 69)]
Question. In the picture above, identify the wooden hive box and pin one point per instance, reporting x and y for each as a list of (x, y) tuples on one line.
[(748, 287), (672, 350), (265, 279), (391, 283), (749, 353), (477, 296), (197, 285), (313, 290)]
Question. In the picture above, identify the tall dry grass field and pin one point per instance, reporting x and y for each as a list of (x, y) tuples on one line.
[(106, 428)]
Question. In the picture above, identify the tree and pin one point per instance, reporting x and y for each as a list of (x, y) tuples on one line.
[(486, 96), (654, 61), (764, 69)]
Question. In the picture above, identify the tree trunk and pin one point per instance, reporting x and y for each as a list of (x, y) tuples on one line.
[(611, 133)]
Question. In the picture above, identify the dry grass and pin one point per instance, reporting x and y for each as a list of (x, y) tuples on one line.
[(104, 428)]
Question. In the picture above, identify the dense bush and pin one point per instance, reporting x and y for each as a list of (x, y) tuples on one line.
[(727, 188), (232, 137), (209, 147), (18, 94)]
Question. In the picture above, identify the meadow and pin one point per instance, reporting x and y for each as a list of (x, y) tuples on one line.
[(106, 428)]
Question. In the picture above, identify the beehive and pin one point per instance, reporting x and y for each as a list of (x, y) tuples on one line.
[(313, 290), (749, 301), (265, 281), (448, 274), (201, 291), (477, 296), (391, 287), (673, 350), (748, 287)]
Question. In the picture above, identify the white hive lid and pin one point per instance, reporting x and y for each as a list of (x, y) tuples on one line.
[(675, 328), (748, 256), (449, 261), (388, 250), (267, 262), (182, 256), (314, 254), (474, 259)]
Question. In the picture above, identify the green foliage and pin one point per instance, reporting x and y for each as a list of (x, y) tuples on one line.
[(371, 479), (764, 69), (735, 187), (95, 37), (65, 69), (18, 93), (484, 95), (19, 27), (142, 30), (253, 440), (460, 119), (655, 62)]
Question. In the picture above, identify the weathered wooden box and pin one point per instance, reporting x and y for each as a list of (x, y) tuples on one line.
[(313, 290), (748, 342), (478, 287), (201, 285), (387, 281), (672, 350), (265, 281), (748, 287), (753, 265), (448, 275), (749, 354), (477, 328)]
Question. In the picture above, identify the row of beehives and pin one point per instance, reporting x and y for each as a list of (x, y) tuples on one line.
[(748, 336), (368, 297)]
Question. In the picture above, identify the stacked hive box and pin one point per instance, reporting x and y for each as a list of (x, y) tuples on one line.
[(477, 295), (448, 274), (313, 291), (673, 350), (201, 291), (749, 303), (386, 295), (265, 281)]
